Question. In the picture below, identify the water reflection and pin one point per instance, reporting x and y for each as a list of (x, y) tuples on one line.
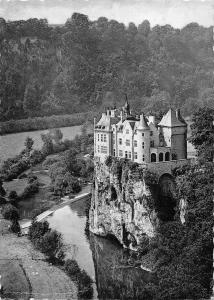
[(104, 260), (115, 279)]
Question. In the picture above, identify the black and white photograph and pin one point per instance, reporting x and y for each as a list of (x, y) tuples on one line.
[(106, 149)]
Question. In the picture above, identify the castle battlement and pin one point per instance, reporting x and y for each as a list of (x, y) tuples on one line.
[(138, 138)]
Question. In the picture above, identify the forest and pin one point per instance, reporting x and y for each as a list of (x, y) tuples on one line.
[(87, 65)]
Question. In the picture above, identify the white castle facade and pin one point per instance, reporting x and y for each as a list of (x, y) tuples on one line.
[(118, 133)]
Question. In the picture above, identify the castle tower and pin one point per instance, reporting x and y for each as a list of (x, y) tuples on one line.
[(143, 140), (174, 130)]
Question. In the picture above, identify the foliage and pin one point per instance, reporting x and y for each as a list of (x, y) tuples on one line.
[(2, 190), (52, 246), (46, 240), (150, 177), (184, 251), (108, 161), (15, 227), (10, 212), (37, 230), (31, 189), (84, 64), (29, 144), (85, 289), (203, 133), (13, 196), (39, 123)]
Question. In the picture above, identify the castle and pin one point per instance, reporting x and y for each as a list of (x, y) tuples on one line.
[(138, 138)]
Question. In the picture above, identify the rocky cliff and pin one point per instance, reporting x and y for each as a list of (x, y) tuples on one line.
[(124, 202)]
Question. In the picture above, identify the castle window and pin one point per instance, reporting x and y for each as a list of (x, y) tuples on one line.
[(120, 141), (104, 149), (153, 157), (114, 152), (135, 155), (143, 134), (130, 155), (151, 143), (161, 156), (174, 156), (127, 142), (120, 152), (98, 148), (167, 156), (104, 137), (98, 137), (127, 131), (135, 143), (126, 154), (151, 133), (101, 137), (143, 157), (143, 145)]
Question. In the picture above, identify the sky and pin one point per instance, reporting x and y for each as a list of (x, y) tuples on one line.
[(177, 13)]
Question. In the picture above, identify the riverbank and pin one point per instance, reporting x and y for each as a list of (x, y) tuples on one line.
[(42, 123), (85, 193), (26, 274)]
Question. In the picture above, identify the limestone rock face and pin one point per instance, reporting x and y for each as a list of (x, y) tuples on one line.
[(122, 204)]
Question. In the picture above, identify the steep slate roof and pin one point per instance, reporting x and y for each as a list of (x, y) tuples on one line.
[(170, 119), (143, 124)]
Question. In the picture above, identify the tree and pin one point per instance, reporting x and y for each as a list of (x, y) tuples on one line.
[(10, 212), (57, 135), (52, 245), (13, 196), (2, 190), (203, 133), (29, 144)]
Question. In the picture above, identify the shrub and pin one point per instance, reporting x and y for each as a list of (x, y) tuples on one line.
[(30, 189), (10, 212), (13, 197), (52, 246), (37, 230), (84, 281), (108, 161), (85, 289), (71, 267), (15, 227)]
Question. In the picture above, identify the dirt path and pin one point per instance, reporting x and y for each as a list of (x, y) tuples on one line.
[(37, 279)]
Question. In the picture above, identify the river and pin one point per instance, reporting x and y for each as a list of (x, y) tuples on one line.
[(104, 260), (12, 144)]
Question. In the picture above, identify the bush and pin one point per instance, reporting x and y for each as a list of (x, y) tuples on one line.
[(30, 189), (13, 197), (10, 212), (15, 227), (37, 230), (52, 246), (84, 281), (72, 268)]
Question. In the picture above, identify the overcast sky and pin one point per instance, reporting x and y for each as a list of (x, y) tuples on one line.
[(178, 13)]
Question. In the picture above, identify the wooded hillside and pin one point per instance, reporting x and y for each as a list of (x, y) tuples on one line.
[(85, 65)]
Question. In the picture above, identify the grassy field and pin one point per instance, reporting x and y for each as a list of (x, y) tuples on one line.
[(25, 273)]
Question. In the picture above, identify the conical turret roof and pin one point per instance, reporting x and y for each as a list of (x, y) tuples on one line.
[(170, 119), (143, 124)]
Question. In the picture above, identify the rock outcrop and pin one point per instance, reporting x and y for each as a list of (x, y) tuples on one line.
[(123, 202)]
